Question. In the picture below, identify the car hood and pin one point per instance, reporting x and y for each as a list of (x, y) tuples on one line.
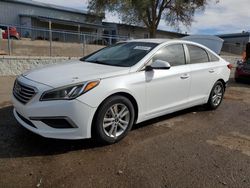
[(73, 72)]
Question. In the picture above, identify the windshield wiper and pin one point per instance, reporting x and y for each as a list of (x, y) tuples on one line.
[(98, 62), (104, 63)]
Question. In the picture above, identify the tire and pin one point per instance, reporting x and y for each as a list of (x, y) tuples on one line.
[(216, 96), (237, 80), (113, 119), (13, 38)]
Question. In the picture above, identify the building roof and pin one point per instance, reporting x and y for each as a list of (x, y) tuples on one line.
[(48, 6), (235, 35), (65, 22), (134, 26)]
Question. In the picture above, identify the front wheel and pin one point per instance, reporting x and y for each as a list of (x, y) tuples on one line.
[(216, 95), (113, 119)]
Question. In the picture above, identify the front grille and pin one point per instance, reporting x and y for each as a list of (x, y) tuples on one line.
[(23, 92)]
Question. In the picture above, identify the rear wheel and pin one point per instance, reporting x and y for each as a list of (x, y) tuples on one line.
[(216, 95), (114, 119)]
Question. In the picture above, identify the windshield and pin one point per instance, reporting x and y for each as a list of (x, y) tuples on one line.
[(122, 54)]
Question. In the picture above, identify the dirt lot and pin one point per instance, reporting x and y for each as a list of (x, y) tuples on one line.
[(191, 148)]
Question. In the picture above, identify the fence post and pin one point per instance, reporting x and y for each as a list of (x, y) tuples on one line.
[(84, 44), (79, 33), (50, 39), (1, 39), (9, 45), (110, 40)]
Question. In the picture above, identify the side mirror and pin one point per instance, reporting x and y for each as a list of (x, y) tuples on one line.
[(158, 64)]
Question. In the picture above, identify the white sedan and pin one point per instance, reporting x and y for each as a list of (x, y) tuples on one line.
[(103, 94)]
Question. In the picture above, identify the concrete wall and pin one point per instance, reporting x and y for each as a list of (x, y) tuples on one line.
[(26, 47), (15, 65)]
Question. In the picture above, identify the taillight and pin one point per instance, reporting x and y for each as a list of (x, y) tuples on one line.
[(230, 66)]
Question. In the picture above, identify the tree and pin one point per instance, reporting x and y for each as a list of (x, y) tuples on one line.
[(150, 12)]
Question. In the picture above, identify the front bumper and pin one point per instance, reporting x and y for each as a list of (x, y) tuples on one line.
[(80, 114)]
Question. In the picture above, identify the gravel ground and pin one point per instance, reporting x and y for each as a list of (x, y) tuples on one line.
[(191, 148)]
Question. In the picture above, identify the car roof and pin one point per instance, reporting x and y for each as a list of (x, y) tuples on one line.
[(161, 41)]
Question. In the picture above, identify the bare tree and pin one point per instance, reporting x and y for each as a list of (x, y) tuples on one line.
[(150, 12)]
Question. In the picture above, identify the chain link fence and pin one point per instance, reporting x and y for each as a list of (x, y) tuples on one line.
[(44, 42)]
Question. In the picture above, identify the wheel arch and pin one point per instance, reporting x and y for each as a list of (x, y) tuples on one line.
[(124, 94), (209, 104), (223, 82), (224, 85)]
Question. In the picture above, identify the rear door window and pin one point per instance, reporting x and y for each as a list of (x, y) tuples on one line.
[(197, 54)]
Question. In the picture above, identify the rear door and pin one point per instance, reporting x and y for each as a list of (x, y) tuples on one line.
[(203, 72)]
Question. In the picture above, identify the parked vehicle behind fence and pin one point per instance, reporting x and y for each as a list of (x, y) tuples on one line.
[(12, 33)]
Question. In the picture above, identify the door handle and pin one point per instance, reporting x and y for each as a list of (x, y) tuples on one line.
[(184, 76), (211, 71)]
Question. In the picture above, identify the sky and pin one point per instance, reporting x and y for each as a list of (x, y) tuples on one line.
[(227, 16)]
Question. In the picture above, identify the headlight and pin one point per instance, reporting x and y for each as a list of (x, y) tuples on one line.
[(69, 92)]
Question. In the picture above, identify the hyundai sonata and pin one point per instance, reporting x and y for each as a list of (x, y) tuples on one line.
[(103, 94)]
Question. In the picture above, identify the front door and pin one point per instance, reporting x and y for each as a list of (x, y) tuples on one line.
[(168, 90)]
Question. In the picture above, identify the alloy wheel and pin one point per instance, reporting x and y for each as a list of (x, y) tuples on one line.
[(217, 95), (116, 120)]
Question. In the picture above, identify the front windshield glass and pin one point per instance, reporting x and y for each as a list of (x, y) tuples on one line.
[(122, 54)]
